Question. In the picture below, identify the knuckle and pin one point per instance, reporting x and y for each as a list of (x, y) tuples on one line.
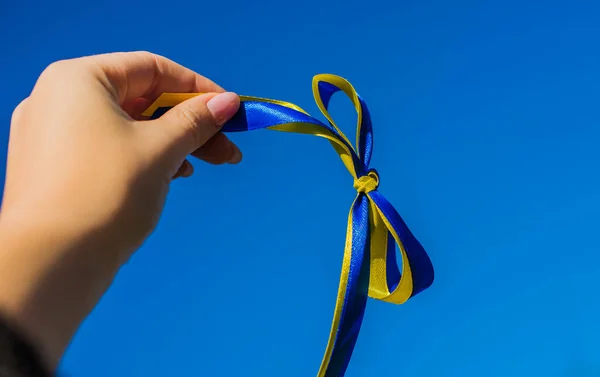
[(18, 111), (144, 54), (140, 56), (148, 56), (58, 67), (61, 72)]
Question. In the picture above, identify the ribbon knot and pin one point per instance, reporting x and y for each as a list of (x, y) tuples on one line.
[(376, 234), (367, 183)]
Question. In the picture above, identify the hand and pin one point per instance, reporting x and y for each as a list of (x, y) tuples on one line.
[(87, 178)]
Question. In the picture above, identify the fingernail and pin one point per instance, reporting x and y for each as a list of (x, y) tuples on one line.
[(223, 106), (237, 156)]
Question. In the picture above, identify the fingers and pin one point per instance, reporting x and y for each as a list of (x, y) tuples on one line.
[(188, 126), (219, 150), (142, 74), (135, 79), (185, 170)]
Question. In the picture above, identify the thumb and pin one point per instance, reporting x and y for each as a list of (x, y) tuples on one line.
[(190, 124)]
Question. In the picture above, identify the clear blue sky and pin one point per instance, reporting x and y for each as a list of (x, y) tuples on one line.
[(486, 139)]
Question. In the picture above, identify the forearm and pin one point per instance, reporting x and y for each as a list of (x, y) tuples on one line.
[(87, 177), (50, 280)]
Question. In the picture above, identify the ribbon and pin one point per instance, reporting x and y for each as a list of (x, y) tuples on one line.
[(369, 266)]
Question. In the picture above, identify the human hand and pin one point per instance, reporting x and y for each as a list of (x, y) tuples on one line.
[(87, 178)]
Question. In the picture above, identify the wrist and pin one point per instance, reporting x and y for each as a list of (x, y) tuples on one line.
[(51, 277)]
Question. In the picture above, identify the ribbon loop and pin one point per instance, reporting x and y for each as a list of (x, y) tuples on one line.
[(369, 267), (324, 86)]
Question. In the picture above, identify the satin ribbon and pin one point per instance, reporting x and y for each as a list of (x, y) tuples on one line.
[(369, 266)]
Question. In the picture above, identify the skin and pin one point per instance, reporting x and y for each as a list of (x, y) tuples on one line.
[(87, 179)]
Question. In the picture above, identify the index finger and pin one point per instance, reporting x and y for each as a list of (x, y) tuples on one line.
[(131, 75)]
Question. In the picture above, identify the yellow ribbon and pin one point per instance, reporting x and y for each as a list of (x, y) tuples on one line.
[(383, 220)]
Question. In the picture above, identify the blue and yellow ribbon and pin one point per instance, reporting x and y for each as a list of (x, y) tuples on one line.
[(369, 267)]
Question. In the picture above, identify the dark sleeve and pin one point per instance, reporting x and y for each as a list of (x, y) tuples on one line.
[(18, 357)]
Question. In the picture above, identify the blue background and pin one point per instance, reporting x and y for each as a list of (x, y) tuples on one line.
[(486, 138)]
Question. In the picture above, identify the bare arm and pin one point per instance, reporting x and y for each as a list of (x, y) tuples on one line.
[(87, 179)]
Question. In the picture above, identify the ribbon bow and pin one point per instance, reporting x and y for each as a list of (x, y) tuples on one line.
[(369, 267)]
